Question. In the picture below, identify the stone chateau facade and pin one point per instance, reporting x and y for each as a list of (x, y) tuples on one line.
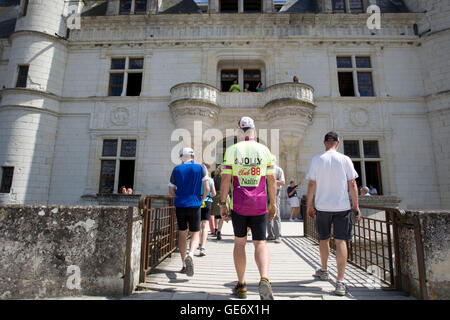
[(86, 111)]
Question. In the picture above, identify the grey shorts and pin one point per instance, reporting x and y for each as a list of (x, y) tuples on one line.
[(342, 225)]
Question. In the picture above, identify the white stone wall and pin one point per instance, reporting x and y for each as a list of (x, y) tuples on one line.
[(27, 140)]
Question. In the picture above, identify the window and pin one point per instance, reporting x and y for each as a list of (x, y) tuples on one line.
[(350, 6), (133, 7), (252, 77), (25, 8), (252, 6), (229, 6), (7, 178), (367, 163), (227, 77), (22, 76), (355, 76), (117, 164), (126, 73)]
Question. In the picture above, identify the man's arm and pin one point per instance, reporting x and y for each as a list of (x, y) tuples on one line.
[(272, 188), (172, 185), (172, 191), (311, 190), (224, 190), (293, 191), (213, 189), (205, 190), (353, 189)]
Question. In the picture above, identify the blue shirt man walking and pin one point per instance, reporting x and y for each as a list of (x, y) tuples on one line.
[(186, 185)]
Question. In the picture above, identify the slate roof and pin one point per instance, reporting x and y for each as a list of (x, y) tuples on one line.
[(300, 6), (8, 3), (179, 6), (99, 10)]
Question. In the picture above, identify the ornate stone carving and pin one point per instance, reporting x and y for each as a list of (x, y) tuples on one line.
[(120, 116), (359, 116)]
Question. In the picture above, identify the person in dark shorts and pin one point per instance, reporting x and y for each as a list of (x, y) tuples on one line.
[(331, 177), (205, 214), (186, 184), (246, 166)]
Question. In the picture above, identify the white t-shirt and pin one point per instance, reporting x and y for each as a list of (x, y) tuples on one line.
[(331, 171)]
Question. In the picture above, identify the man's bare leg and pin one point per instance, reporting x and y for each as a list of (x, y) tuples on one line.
[(203, 233), (194, 242), (262, 258), (341, 258), (324, 248), (182, 238), (240, 258)]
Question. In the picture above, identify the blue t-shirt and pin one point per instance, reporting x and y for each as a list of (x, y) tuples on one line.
[(208, 197), (188, 178)]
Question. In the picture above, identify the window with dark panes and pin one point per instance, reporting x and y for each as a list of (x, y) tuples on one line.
[(363, 62), (229, 6), (344, 62), (365, 86), (227, 77), (339, 6), (117, 165), (25, 8), (351, 69), (125, 7), (252, 77), (130, 76), (7, 178), (351, 148), (367, 163), (346, 85), (356, 6), (252, 6), (22, 76), (140, 7)]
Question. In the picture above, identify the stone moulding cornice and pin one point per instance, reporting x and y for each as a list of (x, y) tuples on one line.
[(210, 26), (192, 102), (30, 108), (15, 34), (30, 91)]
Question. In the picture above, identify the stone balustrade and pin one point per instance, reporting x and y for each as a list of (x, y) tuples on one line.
[(205, 94)]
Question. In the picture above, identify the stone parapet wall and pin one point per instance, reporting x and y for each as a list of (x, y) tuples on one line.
[(433, 230), (45, 250)]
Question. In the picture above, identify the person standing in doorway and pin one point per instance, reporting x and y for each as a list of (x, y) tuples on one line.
[(274, 226), (247, 164), (205, 214), (186, 184), (331, 177), (235, 87)]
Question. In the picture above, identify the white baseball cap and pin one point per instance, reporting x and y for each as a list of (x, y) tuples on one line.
[(246, 122), (186, 151)]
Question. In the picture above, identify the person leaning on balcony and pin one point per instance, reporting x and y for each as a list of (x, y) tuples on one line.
[(259, 87), (331, 177), (235, 87), (246, 87), (186, 184), (365, 192), (295, 79)]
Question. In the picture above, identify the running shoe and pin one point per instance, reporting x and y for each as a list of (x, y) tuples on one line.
[(202, 252), (298, 220), (240, 290), (183, 270), (265, 289), (341, 288), (219, 236), (277, 240), (189, 266), (270, 238), (291, 220), (322, 274)]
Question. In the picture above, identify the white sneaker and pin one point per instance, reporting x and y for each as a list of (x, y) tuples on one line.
[(291, 220), (202, 252)]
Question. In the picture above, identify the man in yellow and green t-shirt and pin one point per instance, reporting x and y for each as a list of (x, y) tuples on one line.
[(246, 166), (235, 87)]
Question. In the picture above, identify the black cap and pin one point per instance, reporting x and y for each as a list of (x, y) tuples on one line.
[(331, 136)]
